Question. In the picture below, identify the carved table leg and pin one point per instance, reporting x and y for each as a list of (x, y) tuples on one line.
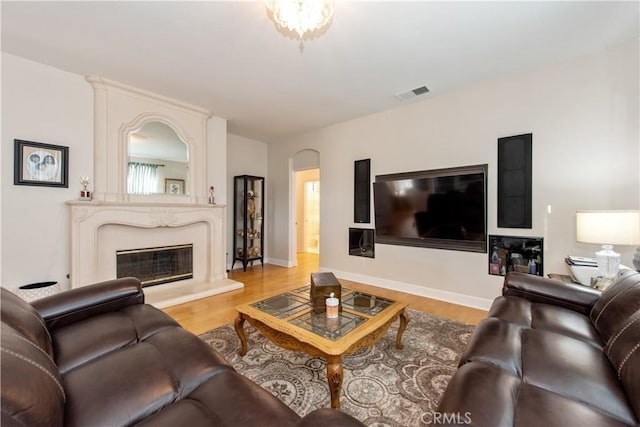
[(334, 378), (404, 320), (239, 325)]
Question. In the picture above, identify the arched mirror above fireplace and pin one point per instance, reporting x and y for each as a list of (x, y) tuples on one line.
[(166, 136), (157, 161)]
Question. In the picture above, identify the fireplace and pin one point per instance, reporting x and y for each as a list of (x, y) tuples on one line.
[(155, 266), (116, 220), (100, 229)]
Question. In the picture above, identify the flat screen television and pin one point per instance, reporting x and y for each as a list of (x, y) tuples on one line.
[(440, 208)]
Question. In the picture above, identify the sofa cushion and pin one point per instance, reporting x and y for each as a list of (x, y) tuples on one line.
[(547, 317), (498, 343), (539, 407), (238, 401), (81, 342), (120, 388), (573, 369), (85, 341), (202, 363), (148, 320), (485, 395), (482, 394), (228, 399), (186, 412), (616, 305)]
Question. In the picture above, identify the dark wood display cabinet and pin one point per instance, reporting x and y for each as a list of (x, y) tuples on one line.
[(248, 220)]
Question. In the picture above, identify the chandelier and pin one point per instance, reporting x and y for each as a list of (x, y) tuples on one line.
[(302, 17)]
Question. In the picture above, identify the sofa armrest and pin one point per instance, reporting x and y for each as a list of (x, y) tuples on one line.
[(87, 301), (550, 291), (328, 417)]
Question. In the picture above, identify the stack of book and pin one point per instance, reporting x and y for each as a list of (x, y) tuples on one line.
[(581, 261)]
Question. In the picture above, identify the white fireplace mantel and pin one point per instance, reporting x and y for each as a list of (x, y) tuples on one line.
[(87, 218)]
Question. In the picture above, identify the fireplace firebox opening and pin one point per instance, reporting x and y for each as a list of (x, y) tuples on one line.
[(155, 266)]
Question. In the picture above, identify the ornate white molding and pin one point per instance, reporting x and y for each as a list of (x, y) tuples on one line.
[(102, 82)]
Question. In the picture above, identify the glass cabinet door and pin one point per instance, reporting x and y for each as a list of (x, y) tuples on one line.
[(249, 221)]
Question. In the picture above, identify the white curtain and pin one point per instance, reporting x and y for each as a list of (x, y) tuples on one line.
[(141, 178)]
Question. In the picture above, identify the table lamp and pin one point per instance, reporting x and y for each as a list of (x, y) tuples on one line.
[(609, 228)]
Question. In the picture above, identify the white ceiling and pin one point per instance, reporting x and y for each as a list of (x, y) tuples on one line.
[(229, 58)]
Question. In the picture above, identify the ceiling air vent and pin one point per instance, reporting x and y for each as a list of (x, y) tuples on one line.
[(412, 93)]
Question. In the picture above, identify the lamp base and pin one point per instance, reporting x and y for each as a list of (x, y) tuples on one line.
[(608, 261)]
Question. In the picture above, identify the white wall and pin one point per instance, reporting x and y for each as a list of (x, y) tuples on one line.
[(244, 157), (41, 104), (584, 118)]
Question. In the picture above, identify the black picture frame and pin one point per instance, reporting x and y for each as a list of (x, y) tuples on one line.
[(39, 164), (516, 253)]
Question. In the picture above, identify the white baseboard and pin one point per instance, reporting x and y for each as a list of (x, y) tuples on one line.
[(452, 297), (280, 262), (238, 264), (274, 261)]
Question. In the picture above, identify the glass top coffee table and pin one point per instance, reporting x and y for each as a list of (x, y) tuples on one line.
[(289, 321)]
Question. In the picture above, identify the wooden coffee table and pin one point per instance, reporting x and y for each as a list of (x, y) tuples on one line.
[(289, 321)]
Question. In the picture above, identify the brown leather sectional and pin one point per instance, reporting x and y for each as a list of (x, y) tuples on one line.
[(551, 354), (98, 356)]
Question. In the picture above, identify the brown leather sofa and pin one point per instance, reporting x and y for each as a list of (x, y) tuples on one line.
[(551, 354), (98, 356)]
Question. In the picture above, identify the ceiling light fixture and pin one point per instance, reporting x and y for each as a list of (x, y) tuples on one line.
[(302, 17)]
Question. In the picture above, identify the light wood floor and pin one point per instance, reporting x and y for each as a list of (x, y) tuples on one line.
[(209, 313)]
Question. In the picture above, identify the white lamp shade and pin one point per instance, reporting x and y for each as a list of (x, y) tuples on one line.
[(608, 227)]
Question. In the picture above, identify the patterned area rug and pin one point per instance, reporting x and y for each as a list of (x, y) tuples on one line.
[(382, 386)]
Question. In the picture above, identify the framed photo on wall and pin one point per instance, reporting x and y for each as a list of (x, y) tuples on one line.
[(40, 164), (173, 186)]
